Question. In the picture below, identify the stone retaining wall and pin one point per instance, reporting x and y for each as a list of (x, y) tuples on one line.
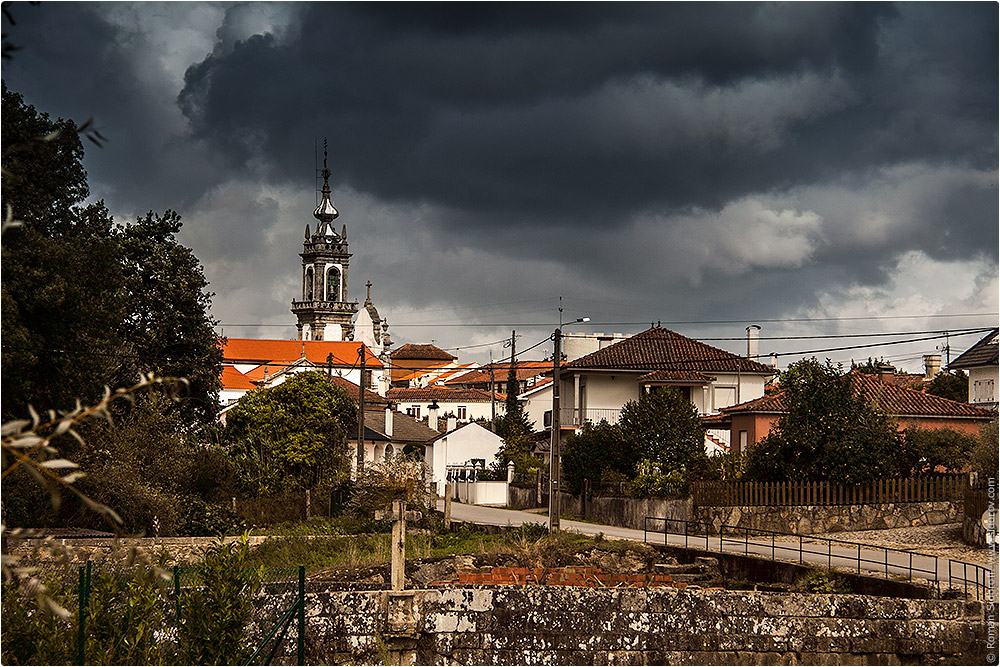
[(635, 626), (809, 519), (180, 549)]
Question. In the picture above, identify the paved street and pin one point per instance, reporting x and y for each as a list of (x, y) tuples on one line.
[(817, 551)]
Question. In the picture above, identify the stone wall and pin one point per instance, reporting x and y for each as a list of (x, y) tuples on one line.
[(179, 549), (975, 533), (808, 519), (602, 626)]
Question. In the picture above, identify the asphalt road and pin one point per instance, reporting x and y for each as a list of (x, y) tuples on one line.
[(815, 551)]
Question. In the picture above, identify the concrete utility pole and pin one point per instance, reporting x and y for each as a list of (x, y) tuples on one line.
[(493, 397), (361, 414), (554, 444)]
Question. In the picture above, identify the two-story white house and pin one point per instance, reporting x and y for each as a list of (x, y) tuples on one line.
[(981, 362), (596, 386)]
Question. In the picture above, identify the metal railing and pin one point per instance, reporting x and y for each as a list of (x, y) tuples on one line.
[(977, 577)]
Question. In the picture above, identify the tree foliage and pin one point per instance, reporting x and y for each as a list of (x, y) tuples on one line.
[(953, 385), (87, 303), (168, 329), (925, 450), (983, 458), (292, 435), (828, 433), (61, 289), (596, 451), (514, 428), (664, 428)]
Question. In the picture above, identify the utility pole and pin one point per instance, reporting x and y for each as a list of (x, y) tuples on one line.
[(493, 397), (361, 413), (554, 445)]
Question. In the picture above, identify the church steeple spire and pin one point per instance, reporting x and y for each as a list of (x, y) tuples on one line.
[(326, 213)]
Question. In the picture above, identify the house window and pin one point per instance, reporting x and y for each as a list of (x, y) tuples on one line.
[(462, 412), (743, 441), (414, 411), (388, 452)]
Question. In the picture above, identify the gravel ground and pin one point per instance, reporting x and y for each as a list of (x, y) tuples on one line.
[(944, 541)]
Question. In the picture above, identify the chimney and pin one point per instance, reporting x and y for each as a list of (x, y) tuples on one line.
[(932, 366), (753, 335), (452, 424), (432, 415), (388, 419)]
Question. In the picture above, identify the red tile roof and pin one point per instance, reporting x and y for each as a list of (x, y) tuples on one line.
[(437, 393), (983, 353), (676, 376), (421, 352), (262, 350), (661, 349), (891, 399), (524, 370), (371, 398), (232, 379)]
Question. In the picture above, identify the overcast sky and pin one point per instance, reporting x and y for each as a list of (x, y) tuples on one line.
[(806, 167)]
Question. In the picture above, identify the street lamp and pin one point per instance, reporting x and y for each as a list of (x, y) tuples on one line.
[(554, 464)]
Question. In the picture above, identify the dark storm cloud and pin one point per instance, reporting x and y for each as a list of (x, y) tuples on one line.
[(495, 109), (680, 161)]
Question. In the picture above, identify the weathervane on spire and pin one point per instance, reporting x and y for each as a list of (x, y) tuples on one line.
[(325, 212)]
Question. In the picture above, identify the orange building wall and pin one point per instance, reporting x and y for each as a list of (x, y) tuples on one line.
[(758, 425)]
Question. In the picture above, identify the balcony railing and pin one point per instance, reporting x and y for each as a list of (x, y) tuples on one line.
[(581, 416)]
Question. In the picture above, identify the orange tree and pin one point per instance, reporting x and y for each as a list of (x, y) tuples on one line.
[(828, 433)]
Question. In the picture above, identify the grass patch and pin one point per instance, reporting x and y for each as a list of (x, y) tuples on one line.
[(304, 544)]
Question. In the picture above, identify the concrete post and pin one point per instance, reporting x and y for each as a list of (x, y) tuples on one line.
[(510, 472), (308, 504), (448, 492), (398, 546)]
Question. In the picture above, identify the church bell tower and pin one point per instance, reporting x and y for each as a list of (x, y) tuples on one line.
[(324, 312)]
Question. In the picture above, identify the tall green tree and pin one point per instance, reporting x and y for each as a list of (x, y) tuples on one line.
[(87, 303), (828, 433), (61, 289), (953, 385), (666, 430), (293, 435), (597, 449), (169, 330)]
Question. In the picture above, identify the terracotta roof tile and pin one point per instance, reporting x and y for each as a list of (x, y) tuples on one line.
[(524, 370), (891, 399), (438, 393), (404, 428), (422, 352), (676, 376), (983, 353), (371, 398), (662, 349), (262, 350), (232, 379)]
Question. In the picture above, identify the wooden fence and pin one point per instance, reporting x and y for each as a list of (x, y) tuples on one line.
[(976, 503), (907, 490)]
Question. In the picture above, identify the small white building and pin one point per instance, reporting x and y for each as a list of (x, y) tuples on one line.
[(463, 404), (462, 446)]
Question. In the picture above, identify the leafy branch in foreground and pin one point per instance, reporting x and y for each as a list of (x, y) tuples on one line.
[(30, 444)]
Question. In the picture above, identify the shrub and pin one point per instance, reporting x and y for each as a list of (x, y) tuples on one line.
[(200, 519), (649, 482)]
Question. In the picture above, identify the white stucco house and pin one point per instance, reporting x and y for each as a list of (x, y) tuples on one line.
[(596, 386), (462, 446)]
